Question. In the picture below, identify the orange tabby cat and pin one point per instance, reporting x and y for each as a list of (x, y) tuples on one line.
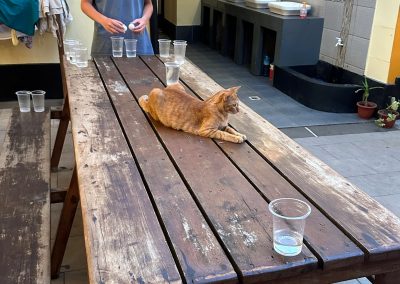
[(174, 108)]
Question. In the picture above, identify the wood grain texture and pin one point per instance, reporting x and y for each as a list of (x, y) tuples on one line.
[(123, 239), (234, 208), (24, 197), (374, 228), (327, 241), (200, 256)]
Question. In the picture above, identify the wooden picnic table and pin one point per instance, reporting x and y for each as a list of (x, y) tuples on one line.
[(163, 206)]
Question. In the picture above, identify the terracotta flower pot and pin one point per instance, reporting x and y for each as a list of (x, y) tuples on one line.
[(366, 110), (383, 113)]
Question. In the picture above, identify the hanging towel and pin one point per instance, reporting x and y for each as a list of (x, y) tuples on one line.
[(20, 15), (47, 16)]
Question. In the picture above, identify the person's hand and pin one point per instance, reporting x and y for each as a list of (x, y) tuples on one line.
[(140, 25), (113, 26)]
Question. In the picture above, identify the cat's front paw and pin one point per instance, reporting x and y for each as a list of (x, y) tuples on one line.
[(244, 137), (240, 139)]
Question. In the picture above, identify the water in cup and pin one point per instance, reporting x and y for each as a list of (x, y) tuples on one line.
[(68, 45), (179, 50), (38, 100), (289, 219), (117, 43), (172, 72), (81, 57), (24, 101), (130, 47), (287, 242), (163, 45)]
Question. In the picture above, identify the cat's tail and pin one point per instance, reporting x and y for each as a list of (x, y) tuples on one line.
[(144, 103)]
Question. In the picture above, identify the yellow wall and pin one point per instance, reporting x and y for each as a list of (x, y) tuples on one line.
[(394, 68), (189, 12), (183, 12), (382, 39), (44, 50), (45, 46), (170, 11)]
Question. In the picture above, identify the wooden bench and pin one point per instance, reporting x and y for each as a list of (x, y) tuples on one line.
[(24, 197), (159, 205)]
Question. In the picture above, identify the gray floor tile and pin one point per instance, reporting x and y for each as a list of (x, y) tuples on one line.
[(296, 132), (391, 202), (349, 167), (378, 184), (75, 257), (76, 277), (59, 280)]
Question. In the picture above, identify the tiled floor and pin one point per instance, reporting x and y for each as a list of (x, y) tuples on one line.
[(328, 136)]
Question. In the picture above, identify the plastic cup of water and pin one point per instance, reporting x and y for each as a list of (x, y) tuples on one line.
[(163, 45), (73, 52), (179, 50), (81, 56), (68, 44), (24, 101), (38, 100), (289, 219), (117, 43), (172, 72), (130, 47)]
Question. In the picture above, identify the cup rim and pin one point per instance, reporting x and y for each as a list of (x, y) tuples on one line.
[(23, 92), (172, 64), (130, 39), (164, 40), (38, 92), (304, 216), (180, 42), (116, 37)]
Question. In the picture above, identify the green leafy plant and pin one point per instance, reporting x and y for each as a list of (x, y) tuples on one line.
[(366, 89), (388, 114), (381, 121), (394, 105)]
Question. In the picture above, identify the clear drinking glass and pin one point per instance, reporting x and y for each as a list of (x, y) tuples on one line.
[(130, 47), (68, 44), (24, 101), (172, 72), (38, 100), (163, 45), (117, 43), (72, 52), (289, 219), (179, 50), (81, 56)]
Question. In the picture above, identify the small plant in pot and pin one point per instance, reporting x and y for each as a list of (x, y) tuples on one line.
[(366, 108), (387, 117)]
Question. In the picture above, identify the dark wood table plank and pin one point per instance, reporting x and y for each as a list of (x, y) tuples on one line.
[(234, 208), (24, 196), (123, 238), (374, 228), (326, 240), (200, 256)]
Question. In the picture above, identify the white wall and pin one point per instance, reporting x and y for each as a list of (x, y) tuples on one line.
[(45, 46)]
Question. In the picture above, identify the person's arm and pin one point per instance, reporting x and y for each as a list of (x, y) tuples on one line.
[(111, 25), (140, 24)]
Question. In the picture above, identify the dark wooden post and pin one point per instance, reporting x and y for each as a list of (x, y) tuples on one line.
[(64, 225), (154, 27)]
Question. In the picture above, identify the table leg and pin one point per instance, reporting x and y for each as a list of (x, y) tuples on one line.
[(60, 138), (64, 225), (388, 278), (256, 53), (238, 58)]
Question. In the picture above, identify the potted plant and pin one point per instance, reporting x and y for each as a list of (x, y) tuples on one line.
[(366, 108), (387, 117)]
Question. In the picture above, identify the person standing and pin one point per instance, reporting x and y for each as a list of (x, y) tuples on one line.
[(109, 18)]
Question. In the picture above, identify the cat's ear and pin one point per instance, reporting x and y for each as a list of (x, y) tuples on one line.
[(234, 89)]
